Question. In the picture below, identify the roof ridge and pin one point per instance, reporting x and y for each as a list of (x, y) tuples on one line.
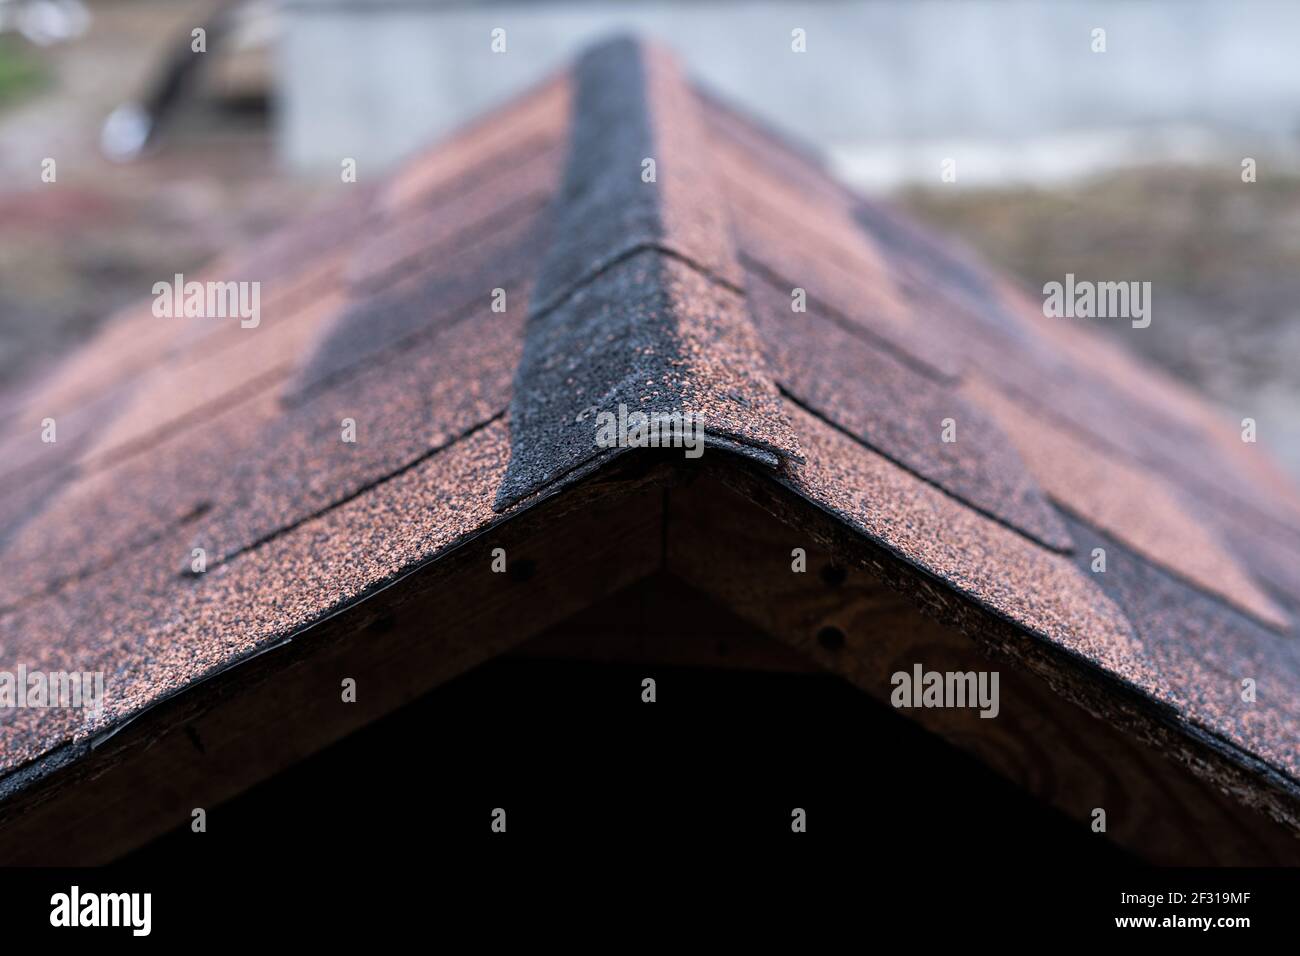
[(639, 303), (638, 159)]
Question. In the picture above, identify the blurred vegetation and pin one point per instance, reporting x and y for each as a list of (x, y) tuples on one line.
[(1193, 228), (1223, 257), (20, 71)]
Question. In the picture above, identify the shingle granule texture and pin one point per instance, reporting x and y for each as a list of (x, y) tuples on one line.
[(1201, 651), (635, 303), (1041, 591), (428, 235), (632, 109), (651, 334), (841, 296), (900, 413), (460, 282), (168, 632), (1127, 502), (473, 316), (257, 467)]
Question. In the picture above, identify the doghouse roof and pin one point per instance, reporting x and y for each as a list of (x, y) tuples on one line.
[(474, 315)]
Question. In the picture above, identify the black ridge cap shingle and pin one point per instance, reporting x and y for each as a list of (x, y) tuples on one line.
[(631, 104), (638, 300)]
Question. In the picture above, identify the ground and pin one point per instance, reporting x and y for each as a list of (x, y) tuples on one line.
[(99, 237)]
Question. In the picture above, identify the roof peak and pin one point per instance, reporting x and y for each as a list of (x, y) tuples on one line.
[(638, 302)]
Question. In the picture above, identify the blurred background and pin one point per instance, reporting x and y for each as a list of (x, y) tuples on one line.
[(1115, 165)]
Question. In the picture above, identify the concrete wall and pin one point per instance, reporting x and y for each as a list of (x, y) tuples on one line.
[(886, 85)]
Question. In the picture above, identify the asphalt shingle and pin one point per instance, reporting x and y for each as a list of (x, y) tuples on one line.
[(1201, 650), (1041, 591), (1127, 502), (650, 334), (631, 110)]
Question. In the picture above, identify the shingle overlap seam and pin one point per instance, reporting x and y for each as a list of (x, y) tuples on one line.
[(769, 275), (351, 495), (895, 460), (639, 302)]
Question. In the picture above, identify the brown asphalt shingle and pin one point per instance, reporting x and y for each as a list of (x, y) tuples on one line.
[(485, 151), (432, 233), (1200, 652), (100, 382), (378, 322), (900, 413), (1127, 502), (858, 294), (258, 467), (672, 295), (169, 631), (1017, 578)]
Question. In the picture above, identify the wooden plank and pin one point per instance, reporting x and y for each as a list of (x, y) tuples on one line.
[(847, 620), (661, 621)]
